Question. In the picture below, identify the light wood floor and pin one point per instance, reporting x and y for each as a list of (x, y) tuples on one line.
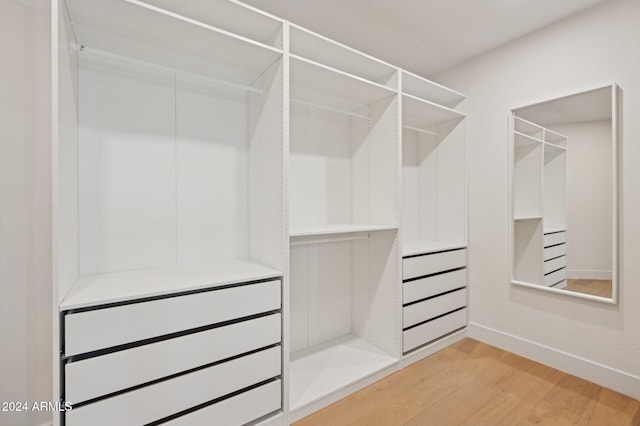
[(471, 383), (594, 287)]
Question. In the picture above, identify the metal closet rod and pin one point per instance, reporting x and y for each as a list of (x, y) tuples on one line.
[(329, 240), (326, 108), (418, 129), (102, 53)]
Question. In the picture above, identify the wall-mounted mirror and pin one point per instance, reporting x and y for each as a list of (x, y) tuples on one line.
[(564, 193)]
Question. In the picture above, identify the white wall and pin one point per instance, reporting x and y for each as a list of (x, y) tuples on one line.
[(595, 340), (25, 232), (589, 214)]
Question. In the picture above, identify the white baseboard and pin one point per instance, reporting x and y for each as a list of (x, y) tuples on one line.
[(611, 378), (586, 274)]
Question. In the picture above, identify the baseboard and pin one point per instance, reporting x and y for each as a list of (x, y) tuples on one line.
[(611, 378), (586, 274)]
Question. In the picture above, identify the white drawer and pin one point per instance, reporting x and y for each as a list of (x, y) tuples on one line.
[(432, 330), (101, 375), (555, 264), (418, 266), (157, 401), (555, 277), (555, 251), (431, 308), (237, 410), (433, 285), (102, 328), (555, 238)]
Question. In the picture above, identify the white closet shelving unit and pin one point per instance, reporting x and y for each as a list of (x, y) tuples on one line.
[(233, 199), (168, 183), (343, 215), (539, 203), (434, 215)]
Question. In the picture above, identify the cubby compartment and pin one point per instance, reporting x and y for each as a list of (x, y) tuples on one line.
[(178, 152), (344, 327), (527, 250), (343, 136), (434, 180)]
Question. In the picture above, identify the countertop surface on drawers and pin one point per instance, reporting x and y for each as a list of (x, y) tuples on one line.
[(92, 290)]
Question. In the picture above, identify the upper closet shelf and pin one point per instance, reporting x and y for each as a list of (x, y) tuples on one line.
[(317, 84), (528, 128), (416, 247), (306, 44), (139, 30), (554, 138), (232, 16), (522, 140), (328, 229), (99, 289), (422, 88), (422, 114)]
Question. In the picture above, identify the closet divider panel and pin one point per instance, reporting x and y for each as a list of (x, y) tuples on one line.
[(266, 157)]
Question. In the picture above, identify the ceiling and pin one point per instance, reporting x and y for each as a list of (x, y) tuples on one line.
[(423, 36)]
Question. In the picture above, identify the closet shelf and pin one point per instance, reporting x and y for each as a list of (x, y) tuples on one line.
[(533, 217), (136, 29), (319, 84), (522, 139), (415, 247), (422, 88), (327, 368), (99, 289), (420, 113), (306, 44), (340, 228)]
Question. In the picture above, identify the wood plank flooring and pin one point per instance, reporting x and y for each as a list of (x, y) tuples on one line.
[(471, 383), (594, 287)]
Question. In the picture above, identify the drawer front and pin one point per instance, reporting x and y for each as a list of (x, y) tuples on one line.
[(555, 277), (102, 328), (413, 267), (171, 396), (237, 410), (431, 286), (555, 251), (432, 330), (101, 375), (555, 238), (554, 264), (431, 308)]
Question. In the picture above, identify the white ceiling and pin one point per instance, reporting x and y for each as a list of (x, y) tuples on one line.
[(423, 36)]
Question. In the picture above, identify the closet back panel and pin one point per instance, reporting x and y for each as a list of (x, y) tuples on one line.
[(320, 292), (555, 183), (320, 167), (433, 181), (163, 170)]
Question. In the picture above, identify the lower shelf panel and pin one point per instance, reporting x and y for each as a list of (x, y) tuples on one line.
[(330, 367)]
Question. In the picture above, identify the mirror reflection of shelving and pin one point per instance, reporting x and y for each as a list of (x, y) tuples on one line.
[(539, 202), (433, 167), (343, 215)]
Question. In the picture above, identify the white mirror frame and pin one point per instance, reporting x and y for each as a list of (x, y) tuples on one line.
[(616, 149)]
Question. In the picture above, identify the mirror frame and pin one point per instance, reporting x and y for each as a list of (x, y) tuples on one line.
[(616, 158)]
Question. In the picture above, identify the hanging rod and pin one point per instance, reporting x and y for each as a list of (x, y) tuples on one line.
[(329, 240), (326, 108), (417, 129), (109, 55)]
